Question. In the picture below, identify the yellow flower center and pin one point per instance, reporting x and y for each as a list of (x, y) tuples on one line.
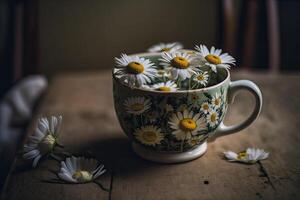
[(82, 176), (180, 62), (193, 142), (200, 77), (242, 155), (194, 97), (165, 49), (149, 136), (161, 72), (213, 59), (137, 106), (135, 68), (47, 144), (187, 124), (164, 89), (213, 117), (205, 107), (217, 102)]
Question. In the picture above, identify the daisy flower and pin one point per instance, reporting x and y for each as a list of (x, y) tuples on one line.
[(133, 70), (205, 107), (189, 52), (212, 118), (214, 58), (182, 107), (80, 170), (196, 140), (166, 47), (186, 124), (165, 107), (168, 86), (201, 78), (44, 139), (195, 100), (169, 108), (250, 156), (149, 135), (152, 116), (216, 100), (162, 73), (137, 105), (180, 64)]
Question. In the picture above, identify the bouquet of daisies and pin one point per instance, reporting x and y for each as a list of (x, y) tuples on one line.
[(175, 69)]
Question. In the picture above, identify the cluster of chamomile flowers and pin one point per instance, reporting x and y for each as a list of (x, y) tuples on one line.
[(178, 69)]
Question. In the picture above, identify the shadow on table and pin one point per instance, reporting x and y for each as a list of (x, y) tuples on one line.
[(116, 154)]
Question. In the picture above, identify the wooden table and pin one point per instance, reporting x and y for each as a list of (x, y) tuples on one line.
[(90, 125)]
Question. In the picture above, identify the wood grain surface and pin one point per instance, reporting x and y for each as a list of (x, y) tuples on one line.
[(90, 126)]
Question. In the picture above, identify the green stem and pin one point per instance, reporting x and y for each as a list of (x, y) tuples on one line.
[(101, 186)]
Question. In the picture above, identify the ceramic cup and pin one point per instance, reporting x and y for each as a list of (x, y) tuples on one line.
[(171, 127)]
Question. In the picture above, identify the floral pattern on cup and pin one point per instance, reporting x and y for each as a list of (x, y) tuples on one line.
[(170, 123)]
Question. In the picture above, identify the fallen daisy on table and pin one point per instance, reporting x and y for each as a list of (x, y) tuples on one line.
[(44, 139), (80, 170), (250, 156)]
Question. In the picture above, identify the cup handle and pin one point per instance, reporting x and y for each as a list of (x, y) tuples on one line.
[(234, 87)]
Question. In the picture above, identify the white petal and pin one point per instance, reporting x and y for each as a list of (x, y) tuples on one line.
[(66, 177), (31, 154), (230, 155), (36, 160), (99, 172), (69, 165)]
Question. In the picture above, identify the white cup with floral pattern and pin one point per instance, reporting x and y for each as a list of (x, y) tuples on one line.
[(173, 126)]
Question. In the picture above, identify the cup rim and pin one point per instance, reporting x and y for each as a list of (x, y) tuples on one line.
[(170, 92)]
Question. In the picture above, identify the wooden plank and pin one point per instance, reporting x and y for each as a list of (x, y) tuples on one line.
[(90, 124)]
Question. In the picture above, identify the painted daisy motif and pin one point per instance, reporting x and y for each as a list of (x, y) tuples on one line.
[(162, 73), (194, 98), (216, 100), (196, 140), (201, 78), (168, 86), (168, 108), (80, 170), (180, 64), (152, 116), (166, 47), (214, 57), (149, 135), (137, 105), (212, 118), (182, 108), (186, 124), (205, 107), (250, 156), (134, 70), (44, 139), (165, 107)]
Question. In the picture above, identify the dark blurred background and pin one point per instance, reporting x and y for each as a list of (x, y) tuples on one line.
[(53, 35)]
